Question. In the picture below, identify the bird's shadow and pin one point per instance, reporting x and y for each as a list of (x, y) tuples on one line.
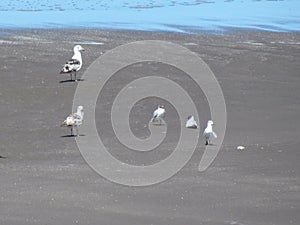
[(210, 144), (2, 157), (192, 128), (70, 81), (158, 125), (72, 136)]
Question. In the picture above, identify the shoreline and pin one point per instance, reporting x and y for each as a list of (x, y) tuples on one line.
[(189, 31), (238, 33), (92, 36)]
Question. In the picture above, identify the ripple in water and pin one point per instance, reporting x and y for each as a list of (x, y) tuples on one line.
[(166, 15)]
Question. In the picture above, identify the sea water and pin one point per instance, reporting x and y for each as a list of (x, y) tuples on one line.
[(165, 15)]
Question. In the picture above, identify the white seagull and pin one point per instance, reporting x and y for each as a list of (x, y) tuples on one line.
[(74, 120), (208, 133), (158, 114), (191, 123), (73, 65)]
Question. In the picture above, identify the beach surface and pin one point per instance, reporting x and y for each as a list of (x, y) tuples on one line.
[(45, 180)]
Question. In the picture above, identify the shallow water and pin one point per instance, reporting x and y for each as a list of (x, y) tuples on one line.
[(166, 15)]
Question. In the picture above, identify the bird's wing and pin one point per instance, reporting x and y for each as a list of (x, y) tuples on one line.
[(69, 121), (191, 123), (70, 66), (159, 112), (214, 135), (211, 135), (194, 124), (206, 132), (162, 112), (78, 117), (155, 113)]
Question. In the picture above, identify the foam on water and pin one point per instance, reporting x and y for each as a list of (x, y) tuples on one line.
[(167, 15)]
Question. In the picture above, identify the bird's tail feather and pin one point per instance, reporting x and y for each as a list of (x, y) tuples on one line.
[(63, 124)]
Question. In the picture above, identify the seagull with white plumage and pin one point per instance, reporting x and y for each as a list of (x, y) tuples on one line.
[(74, 120), (208, 133), (191, 123), (158, 114), (74, 64)]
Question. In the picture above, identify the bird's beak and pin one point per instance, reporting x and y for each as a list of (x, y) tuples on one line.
[(82, 49)]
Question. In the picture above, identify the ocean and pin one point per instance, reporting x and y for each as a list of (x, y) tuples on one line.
[(153, 15)]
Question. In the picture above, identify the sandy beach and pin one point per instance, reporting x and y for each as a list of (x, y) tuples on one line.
[(45, 180)]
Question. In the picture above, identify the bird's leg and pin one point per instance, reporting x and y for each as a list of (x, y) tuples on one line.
[(70, 76), (77, 131), (206, 141), (75, 76), (71, 130)]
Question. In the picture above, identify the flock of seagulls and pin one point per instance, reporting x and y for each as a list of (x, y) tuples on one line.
[(75, 120), (208, 133), (71, 67)]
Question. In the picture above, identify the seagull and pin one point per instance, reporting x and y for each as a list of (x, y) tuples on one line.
[(73, 65), (158, 114), (240, 147), (191, 123), (208, 133), (74, 120)]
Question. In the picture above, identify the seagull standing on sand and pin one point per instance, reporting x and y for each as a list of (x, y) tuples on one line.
[(191, 123), (158, 114), (208, 133), (74, 120), (73, 65)]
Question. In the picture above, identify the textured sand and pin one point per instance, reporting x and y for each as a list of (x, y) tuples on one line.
[(45, 180)]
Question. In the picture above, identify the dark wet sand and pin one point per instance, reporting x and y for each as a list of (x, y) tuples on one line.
[(45, 180)]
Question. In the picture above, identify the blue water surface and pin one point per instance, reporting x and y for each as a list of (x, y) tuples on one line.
[(165, 15)]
